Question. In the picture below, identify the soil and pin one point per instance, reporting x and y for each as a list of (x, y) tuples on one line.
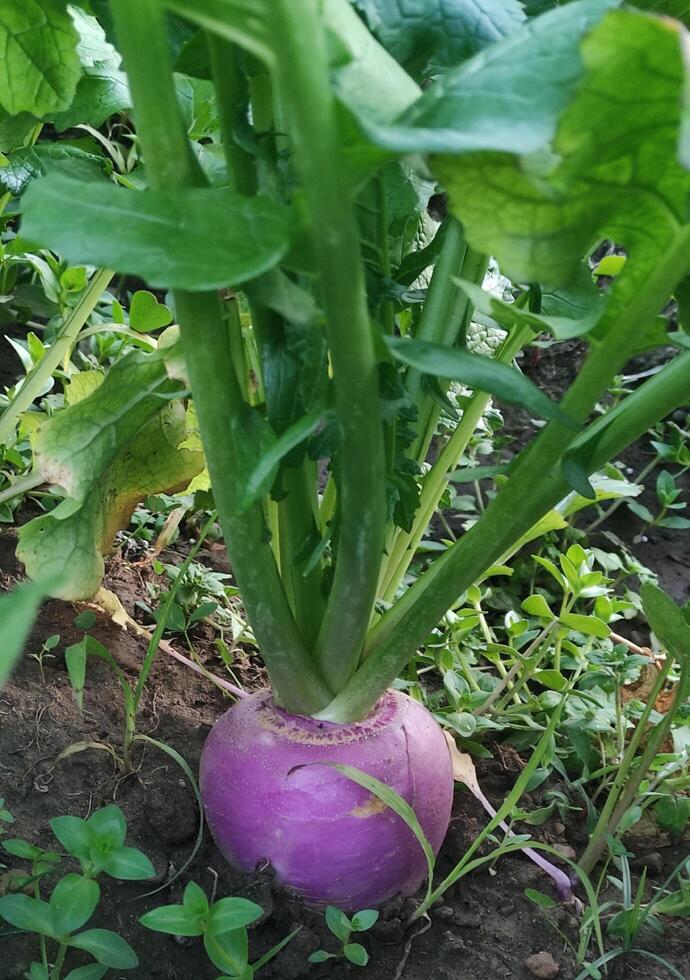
[(484, 928)]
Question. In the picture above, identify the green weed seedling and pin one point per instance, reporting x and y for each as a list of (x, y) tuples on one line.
[(223, 925), (98, 844), (342, 928)]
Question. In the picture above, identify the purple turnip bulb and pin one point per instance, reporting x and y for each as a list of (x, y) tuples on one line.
[(267, 797)]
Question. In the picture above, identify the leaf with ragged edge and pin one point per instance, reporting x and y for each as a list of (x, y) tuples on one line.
[(476, 371), (197, 239), (616, 170), (103, 89), (17, 613), (554, 147), (442, 32), (107, 451), (39, 69)]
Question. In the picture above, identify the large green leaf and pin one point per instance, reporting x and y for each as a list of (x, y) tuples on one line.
[(106, 947), (196, 239), (107, 452), (17, 613), (39, 68), (30, 162), (440, 32), (667, 621), (73, 902)]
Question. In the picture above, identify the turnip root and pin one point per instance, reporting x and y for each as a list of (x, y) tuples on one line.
[(267, 797)]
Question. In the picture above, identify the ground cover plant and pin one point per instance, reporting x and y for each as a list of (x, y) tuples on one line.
[(279, 273)]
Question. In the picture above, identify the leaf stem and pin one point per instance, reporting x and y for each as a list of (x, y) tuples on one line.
[(142, 32), (302, 76), (20, 486), (62, 346), (532, 489)]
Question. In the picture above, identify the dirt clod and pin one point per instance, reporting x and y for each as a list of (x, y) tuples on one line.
[(542, 965)]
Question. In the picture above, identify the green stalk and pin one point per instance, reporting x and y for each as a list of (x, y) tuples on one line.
[(62, 346), (23, 485), (142, 34), (232, 94), (532, 490), (625, 786), (436, 480), (302, 75)]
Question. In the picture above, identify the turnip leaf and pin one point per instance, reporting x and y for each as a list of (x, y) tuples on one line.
[(39, 69), (197, 239)]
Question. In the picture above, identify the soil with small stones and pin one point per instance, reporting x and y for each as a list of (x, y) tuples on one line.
[(484, 928)]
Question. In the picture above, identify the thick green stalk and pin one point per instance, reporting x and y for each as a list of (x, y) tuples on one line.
[(62, 346), (302, 76), (232, 95), (532, 489), (170, 164)]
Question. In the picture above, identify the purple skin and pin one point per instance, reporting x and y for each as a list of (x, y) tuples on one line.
[(327, 838)]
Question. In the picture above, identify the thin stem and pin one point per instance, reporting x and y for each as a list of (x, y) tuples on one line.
[(302, 75), (532, 490), (61, 348), (142, 33), (59, 960), (23, 485), (232, 95)]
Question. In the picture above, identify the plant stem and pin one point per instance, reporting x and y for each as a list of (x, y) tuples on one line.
[(23, 485), (532, 489), (433, 488), (302, 75), (625, 786), (61, 347), (142, 33), (59, 960), (232, 94)]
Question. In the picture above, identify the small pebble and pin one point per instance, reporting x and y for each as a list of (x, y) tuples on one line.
[(653, 862), (566, 850), (558, 828), (542, 965)]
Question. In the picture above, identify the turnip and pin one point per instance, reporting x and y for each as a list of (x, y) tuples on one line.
[(322, 363), (267, 797)]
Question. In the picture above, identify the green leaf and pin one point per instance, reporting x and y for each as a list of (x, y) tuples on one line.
[(37, 972), (364, 920), (176, 920), (108, 451), (260, 477), (72, 902), (17, 613), (75, 659), (30, 162), (92, 971), (553, 679), (85, 620), (27, 913), (540, 899), (483, 373), (338, 923), (228, 951), (39, 69), (440, 32), (320, 956), (672, 813), (108, 825), (667, 621), (589, 625), (74, 834), (21, 849), (356, 953), (232, 913), (106, 947), (536, 605), (146, 313), (194, 899), (128, 864), (170, 238)]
